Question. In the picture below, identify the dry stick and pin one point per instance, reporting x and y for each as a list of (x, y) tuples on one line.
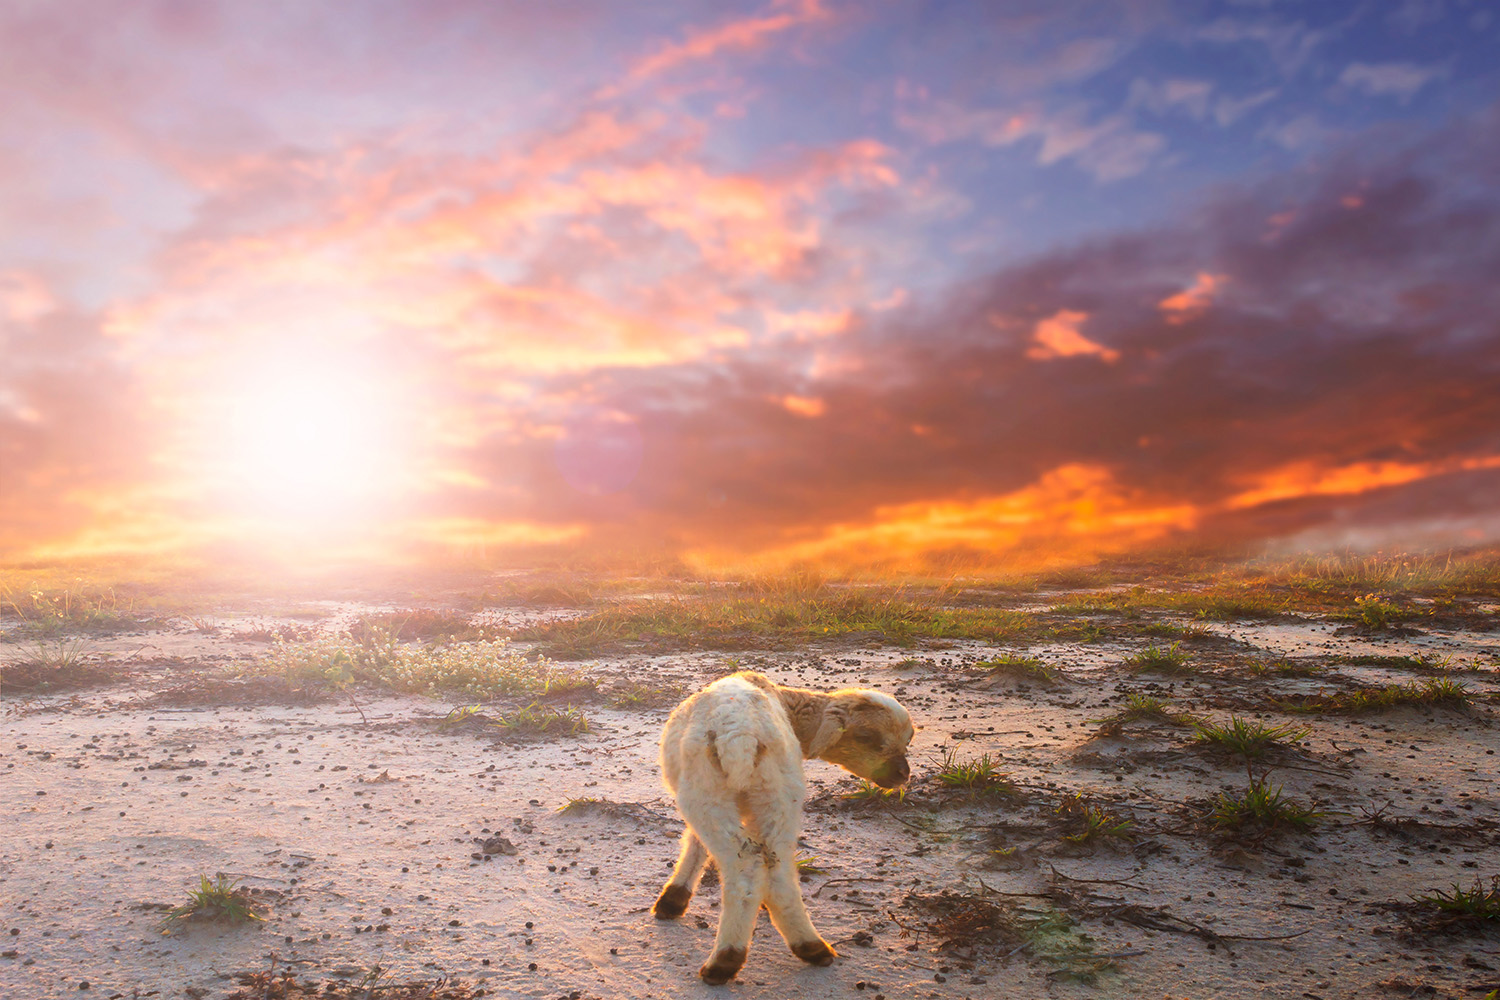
[(1099, 881)]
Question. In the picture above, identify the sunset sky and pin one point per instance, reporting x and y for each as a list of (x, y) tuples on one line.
[(860, 283)]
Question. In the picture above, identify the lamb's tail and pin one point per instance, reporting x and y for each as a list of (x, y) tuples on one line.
[(737, 756)]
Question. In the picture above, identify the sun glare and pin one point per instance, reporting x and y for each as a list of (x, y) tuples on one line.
[(308, 444)]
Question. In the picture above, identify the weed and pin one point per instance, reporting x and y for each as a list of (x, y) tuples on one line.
[(1477, 903), (48, 613), (484, 669), (807, 864), (1142, 706), (416, 623), (1460, 911), (583, 804), (1251, 739), (748, 621), (979, 776), (964, 924), (1171, 660), (1023, 668), (59, 666), (1441, 692), (220, 899), (457, 716), (1261, 805), (1090, 822), (868, 791), (1376, 614), (544, 720), (1284, 668), (639, 694)]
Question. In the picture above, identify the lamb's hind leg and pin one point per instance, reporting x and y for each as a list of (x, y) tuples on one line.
[(783, 894), (679, 888), (742, 874)]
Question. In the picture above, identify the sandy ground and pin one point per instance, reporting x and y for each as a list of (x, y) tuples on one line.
[(361, 838)]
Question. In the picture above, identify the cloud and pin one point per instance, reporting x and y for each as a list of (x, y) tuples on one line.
[(1110, 148), (737, 35), (1057, 336), (1400, 80)]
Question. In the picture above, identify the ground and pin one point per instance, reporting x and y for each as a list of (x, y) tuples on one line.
[(1050, 844)]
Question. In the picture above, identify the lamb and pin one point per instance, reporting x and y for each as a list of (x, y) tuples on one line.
[(732, 755)]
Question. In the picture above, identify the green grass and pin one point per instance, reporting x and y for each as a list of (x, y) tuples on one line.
[(55, 666), (1436, 692), (868, 791), (220, 899), (1264, 807), (1250, 739), (543, 720), (979, 776), (1225, 602), (807, 864), (1160, 660), (417, 623), (1476, 903), (46, 613), (639, 694), (747, 622), (1139, 707), (1284, 668), (1089, 822), (479, 670), (1021, 668)]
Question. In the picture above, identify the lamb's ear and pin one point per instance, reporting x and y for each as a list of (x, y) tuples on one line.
[(829, 731)]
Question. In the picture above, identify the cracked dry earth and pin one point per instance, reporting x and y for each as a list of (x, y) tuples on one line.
[(400, 851)]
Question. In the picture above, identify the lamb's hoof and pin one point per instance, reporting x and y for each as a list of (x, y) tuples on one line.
[(722, 966), (672, 902), (814, 952)]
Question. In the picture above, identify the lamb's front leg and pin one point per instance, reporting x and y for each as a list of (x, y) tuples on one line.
[(679, 888)]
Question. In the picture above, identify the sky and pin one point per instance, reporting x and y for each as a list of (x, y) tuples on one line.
[(892, 285)]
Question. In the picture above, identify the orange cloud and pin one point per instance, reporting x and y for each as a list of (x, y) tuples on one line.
[(1307, 479), (1072, 512), (1192, 301), (746, 33), (804, 406), (1057, 336)]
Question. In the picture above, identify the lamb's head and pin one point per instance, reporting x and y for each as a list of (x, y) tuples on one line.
[(871, 738)]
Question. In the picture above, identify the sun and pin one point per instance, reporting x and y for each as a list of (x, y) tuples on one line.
[(307, 440)]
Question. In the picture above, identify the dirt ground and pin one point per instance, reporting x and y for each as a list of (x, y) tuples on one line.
[(388, 848)]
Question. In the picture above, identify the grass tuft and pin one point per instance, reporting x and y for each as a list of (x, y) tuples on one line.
[(1089, 822), (868, 791), (1262, 806), (1021, 668), (221, 899), (1139, 707), (479, 670), (1436, 692), (979, 776), (544, 720), (1156, 659), (1477, 903), (1250, 739)]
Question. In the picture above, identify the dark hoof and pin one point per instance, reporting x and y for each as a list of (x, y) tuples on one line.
[(815, 952), (721, 968), (672, 902)]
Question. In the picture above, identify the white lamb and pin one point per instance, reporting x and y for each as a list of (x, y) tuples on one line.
[(732, 754)]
